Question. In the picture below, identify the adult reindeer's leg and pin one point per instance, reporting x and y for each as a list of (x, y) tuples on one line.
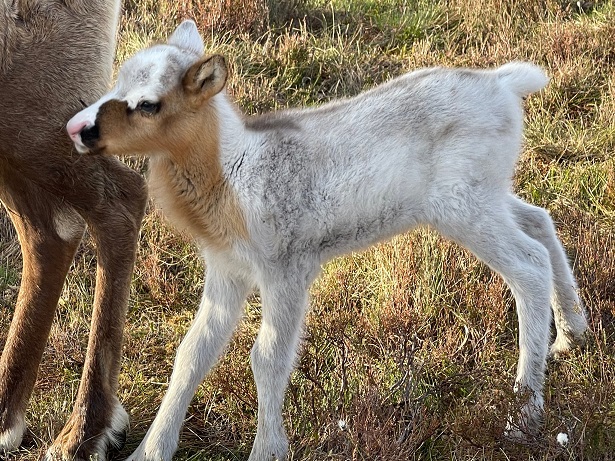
[(98, 421), (569, 313), (49, 233), (220, 309)]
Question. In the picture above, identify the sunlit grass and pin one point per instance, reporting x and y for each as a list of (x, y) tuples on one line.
[(410, 347)]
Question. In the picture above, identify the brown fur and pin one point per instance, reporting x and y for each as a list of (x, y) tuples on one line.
[(52, 55), (196, 199)]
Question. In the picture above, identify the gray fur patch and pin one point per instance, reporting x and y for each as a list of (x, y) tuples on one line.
[(172, 72), (271, 122), (143, 75)]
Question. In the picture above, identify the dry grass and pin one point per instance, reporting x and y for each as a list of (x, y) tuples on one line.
[(238, 16), (410, 347)]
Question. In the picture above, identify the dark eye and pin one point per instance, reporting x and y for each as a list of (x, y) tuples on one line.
[(148, 107)]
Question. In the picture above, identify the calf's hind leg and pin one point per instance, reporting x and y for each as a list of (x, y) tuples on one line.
[(49, 233), (524, 263), (568, 310)]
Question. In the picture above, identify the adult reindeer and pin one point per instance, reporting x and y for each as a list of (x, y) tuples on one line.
[(55, 56)]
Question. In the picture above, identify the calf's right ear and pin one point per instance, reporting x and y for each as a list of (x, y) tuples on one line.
[(206, 77)]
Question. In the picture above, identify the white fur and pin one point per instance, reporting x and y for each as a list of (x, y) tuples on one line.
[(68, 225), (185, 39), (11, 439), (435, 147), (112, 436)]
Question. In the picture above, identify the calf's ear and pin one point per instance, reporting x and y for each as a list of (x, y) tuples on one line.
[(206, 77), (187, 37)]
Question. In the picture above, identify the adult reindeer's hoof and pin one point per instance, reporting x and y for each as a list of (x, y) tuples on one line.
[(10, 438), (79, 443)]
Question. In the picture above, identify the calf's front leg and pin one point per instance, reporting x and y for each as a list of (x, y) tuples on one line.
[(284, 305), (211, 330)]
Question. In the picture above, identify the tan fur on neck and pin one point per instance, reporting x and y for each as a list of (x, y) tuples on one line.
[(189, 185)]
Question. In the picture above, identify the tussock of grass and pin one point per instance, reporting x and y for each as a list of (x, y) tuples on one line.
[(410, 347)]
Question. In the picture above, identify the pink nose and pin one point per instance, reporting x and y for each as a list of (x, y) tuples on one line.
[(74, 128)]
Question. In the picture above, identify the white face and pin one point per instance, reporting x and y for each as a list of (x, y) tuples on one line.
[(143, 81)]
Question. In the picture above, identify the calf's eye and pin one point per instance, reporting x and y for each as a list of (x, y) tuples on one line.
[(148, 107)]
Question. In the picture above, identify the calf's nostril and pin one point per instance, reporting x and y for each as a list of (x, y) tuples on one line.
[(89, 135)]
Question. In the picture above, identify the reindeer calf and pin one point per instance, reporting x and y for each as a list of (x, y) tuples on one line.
[(269, 199)]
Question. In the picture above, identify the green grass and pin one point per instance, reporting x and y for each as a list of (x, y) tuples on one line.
[(410, 347)]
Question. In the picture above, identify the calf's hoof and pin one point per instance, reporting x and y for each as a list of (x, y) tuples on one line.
[(275, 449), (571, 334), (566, 342), (526, 426)]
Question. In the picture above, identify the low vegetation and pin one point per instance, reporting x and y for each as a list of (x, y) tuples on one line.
[(410, 347)]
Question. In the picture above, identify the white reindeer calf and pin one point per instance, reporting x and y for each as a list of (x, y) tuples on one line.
[(270, 198)]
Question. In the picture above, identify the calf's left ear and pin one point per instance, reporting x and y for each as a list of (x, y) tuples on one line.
[(206, 77), (187, 37)]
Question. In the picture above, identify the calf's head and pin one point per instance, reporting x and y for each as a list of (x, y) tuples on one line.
[(159, 102)]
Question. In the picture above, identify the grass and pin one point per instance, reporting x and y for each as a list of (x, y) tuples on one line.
[(410, 347)]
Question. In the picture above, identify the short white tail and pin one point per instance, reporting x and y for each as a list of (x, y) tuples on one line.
[(522, 78)]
